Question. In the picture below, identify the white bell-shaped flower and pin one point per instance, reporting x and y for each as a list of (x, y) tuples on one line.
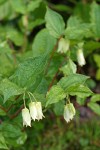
[(26, 117), (69, 112), (36, 110), (80, 57), (39, 111), (33, 110), (63, 45)]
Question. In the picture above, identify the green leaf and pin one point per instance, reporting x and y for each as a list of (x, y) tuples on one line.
[(97, 59), (81, 101), (90, 46), (43, 43), (76, 29), (33, 5), (13, 134), (28, 71), (69, 69), (32, 24), (6, 60), (72, 80), (55, 94), (98, 74), (79, 90), (54, 23), (95, 107), (95, 18), (59, 108), (15, 36), (9, 89), (3, 144), (18, 6), (5, 10), (95, 98)]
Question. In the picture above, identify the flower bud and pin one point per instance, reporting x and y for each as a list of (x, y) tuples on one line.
[(69, 112), (80, 57), (36, 110), (26, 117), (63, 45)]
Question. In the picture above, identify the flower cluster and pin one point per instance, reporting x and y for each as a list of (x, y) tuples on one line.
[(34, 112), (69, 112)]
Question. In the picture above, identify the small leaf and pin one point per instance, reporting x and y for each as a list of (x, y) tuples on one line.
[(69, 69), (95, 107), (95, 98), (55, 95), (71, 80), (2, 142), (54, 23), (9, 89), (79, 90)]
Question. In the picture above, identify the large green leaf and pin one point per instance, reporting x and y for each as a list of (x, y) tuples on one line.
[(28, 71), (3, 144), (9, 89), (95, 107), (95, 18), (72, 80), (55, 95), (43, 43), (54, 23)]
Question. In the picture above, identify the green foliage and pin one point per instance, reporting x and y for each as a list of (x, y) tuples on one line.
[(56, 94), (29, 71), (9, 89), (95, 18), (43, 43), (54, 23), (30, 33), (69, 69), (2, 142), (76, 29)]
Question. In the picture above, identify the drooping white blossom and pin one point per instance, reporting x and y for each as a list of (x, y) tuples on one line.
[(26, 117), (36, 110), (69, 112), (33, 110), (39, 111), (63, 45), (80, 57)]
